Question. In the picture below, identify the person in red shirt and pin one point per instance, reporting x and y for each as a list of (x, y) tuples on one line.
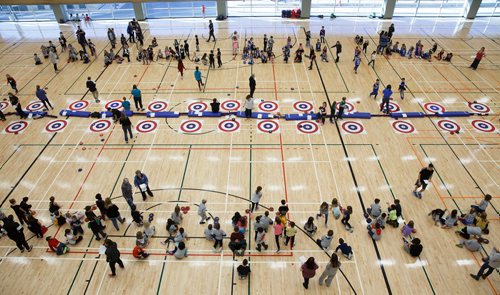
[(479, 55), (139, 253), (56, 246)]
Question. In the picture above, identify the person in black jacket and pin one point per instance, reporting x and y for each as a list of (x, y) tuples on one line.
[(252, 84), (100, 204), (215, 106), (15, 233), (14, 101), (113, 213), (93, 89), (112, 256), (19, 212), (338, 48), (126, 126)]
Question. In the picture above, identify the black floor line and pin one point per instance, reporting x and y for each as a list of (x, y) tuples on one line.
[(377, 252), (27, 170)]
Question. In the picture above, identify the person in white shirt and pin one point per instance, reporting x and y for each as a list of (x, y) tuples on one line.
[(248, 106), (372, 60), (255, 199), (202, 211)]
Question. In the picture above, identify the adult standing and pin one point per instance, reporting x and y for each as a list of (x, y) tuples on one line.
[(42, 96), (255, 199), (197, 77), (186, 48), (479, 55), (424, 177), (210, 30), (127, 192), (139, 35), (322, 34), (391, 31), (15, 233), (92, 87), (126, 126), (338, 48), (248, 105), (141, 181), (15, 102), (113, 212), (19, 212), (112, 256), (80, 36), (308, 271), (12, 82), (112, 37), (54, 59), (252, 83), (386, 97), (136, 93), (330, 270), (490, 264), (130, 32)]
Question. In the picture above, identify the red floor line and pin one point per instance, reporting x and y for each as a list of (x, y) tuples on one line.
[(194, 255), (187, 148)]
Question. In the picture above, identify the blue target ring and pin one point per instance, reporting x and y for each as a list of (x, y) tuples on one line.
[(114, 104), (16, 127), (190, 126), (449, 126), (100, 125), (197, 107), (303, 106), (228, 126), (78, 105), (433, 107), (268, 106), (230, 105), (479, 107), (146, 126), (307, 127), (157, 106), (56, 126), (267, 126), (403, 127), (483, 126), (352, 127)]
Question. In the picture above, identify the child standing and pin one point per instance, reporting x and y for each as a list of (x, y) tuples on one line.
[(372, 59), (375, 89), (290, 234), (402, 88), (202, 211), (12, 82), (218, 235), (260, 240), (323, 210), (219, 57), (278, 231), (336, 208), (357, 61), (345, 219)]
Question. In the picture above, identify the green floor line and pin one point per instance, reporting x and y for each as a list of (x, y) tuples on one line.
[(178, 198), (79, 267)]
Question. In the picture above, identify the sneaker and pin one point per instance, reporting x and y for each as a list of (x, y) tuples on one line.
[(30, 248), (123, 220), (22, 250), (484, 277), (278, 251), (214, 250), (202, 222), (304, 284), (257, 249), (415, 194), (474, 277), (111, 274), (419, 195), (459, 245), (349, 256)]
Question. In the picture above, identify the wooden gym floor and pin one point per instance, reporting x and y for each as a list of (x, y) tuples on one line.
[(225, 167)]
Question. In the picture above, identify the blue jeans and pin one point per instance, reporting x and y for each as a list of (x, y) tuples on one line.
[(115, 220), (483, 268), (129, 130)]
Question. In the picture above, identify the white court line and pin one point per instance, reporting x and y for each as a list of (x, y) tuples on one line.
[(220, 271), (474, 157), (49, 166)]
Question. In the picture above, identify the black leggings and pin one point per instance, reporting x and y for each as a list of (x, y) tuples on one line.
[(45, 102), (345, 221), (217, 242), (277, 238)]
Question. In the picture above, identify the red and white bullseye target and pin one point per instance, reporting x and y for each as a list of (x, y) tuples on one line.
[(303, 106), (3, 105), (449, 125), (393, 107), (404, 127), (56, 126), (307, 127), (230, 105), (353, 127), (157, 106), (146, 126), (479, 108), (433, 107), (483, 126), (34, 106), (349, 107), (197, 106), (16, 127), (268, 126), (268, 106), (114, 104), (100, 125), (78, 105), (228, 126), (190, 126)]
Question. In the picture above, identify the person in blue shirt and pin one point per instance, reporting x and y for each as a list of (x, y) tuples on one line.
[(141, 182), (42, 96), (402, 88), (387, 92), (376, 86), (357, 61), (126, 104), (197, 77), (136, 93)]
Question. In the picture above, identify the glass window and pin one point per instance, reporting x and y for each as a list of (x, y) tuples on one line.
[(26, 13), (261, 7), (489, 8), (180, 9), (346, 7), (430, 8), (101, 11)]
